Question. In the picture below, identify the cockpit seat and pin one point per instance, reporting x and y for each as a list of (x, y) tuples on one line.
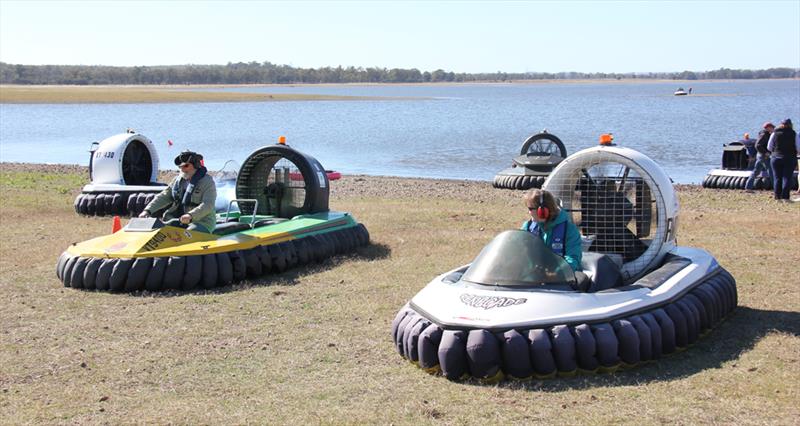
[(602, 269)]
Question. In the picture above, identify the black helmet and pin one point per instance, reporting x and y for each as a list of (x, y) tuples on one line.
[(189, 157)]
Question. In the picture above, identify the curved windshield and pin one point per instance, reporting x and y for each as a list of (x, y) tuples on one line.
[(518, 259)]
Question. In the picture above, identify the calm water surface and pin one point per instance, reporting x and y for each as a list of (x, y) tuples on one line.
[(460, 131)]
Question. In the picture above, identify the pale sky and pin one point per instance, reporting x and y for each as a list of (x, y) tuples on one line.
[(460, 36)]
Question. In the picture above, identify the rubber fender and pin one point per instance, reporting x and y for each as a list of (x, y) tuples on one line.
[(607, 345), (141, 202), (224, 269), (303, 257), (313, 245), (697, 305), (138, 274), (351, 242), (336, 242), (76, 281), (628, 340), (428, 347), (210, 274), (84, 205), (90, 273), (516, 359), (724, 283), (541, 351), (252, 263), (264, 258), (289, 253), (716, 299), (453, 354), (193, 272), (62, 259), (668, 338), (483, 354), (278, 258), (364, 234), (130, 202), (120, 274), (400, 339), (77, 204), (705, 181), (173, 276), (110, 204), (67, 274), (707, 300), (645, 338), (585, 347), (329, 245), (402, 313), (681, 326), (238, 265), (104, 274), (564, 349), (412, 339), (155, 277), (656, 338), (117, 204), (692, 321), (100, 205), (725, 296)]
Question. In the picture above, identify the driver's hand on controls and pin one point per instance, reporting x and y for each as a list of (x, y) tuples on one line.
[(144, 214), (186, 219)]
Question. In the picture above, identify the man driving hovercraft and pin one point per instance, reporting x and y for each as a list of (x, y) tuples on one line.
[(189, 198)]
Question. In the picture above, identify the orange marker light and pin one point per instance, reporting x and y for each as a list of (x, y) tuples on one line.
[(606, 139), (282, 140)]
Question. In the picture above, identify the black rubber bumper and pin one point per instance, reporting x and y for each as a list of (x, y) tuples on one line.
[(112, 203), (738, 182), (518, 181), (204, 271), (564, 349)]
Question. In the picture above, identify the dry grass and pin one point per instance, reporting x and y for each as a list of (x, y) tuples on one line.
[(143, 94), (313, 345)]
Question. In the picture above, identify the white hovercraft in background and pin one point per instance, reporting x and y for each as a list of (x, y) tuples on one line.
[(123, 170), (516, 311)]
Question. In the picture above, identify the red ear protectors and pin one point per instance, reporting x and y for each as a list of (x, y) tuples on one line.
[(542, 212)]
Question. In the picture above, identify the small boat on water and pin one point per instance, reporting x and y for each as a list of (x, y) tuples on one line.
[(681, 92)]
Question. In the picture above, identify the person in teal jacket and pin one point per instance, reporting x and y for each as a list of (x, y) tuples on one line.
[(554, 226)]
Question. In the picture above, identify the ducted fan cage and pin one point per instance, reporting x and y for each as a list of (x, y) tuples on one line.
[(543, 144), (124, 159), (285, 182), (618, 205)]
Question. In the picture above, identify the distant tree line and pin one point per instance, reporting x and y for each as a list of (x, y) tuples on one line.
[(266, 72)]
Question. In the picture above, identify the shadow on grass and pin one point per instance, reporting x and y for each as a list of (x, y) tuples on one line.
[(739, 333), (290, 277)]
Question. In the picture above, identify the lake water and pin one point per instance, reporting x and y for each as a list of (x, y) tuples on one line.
[(468, 131)]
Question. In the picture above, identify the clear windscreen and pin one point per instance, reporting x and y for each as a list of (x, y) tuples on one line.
[(518, 259)]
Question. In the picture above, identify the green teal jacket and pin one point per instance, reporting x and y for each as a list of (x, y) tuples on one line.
[(201, 204), (572, 239)]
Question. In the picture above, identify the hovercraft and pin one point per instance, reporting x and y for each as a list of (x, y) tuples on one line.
[(123, 170), (680, 92), (539, 155), (281, 223), (734, 171), (515, 312)]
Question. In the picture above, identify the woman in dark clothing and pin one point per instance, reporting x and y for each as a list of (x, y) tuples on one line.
[(783, 145)]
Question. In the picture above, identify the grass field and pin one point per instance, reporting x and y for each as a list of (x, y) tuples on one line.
[(144, 94), (312, 346)]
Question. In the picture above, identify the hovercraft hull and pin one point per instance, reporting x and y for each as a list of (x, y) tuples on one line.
[(488, 334), (170, 258), (737, 179)]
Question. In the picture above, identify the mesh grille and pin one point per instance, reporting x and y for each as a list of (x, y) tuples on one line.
[(616, 206)]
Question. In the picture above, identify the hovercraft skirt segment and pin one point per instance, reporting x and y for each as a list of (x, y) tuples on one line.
[(566, 348)]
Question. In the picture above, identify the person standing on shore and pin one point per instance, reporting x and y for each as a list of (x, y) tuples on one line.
[(762, 156), (783, 144)]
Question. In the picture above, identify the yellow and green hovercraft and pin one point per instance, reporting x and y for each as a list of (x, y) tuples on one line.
[(283, 221)]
